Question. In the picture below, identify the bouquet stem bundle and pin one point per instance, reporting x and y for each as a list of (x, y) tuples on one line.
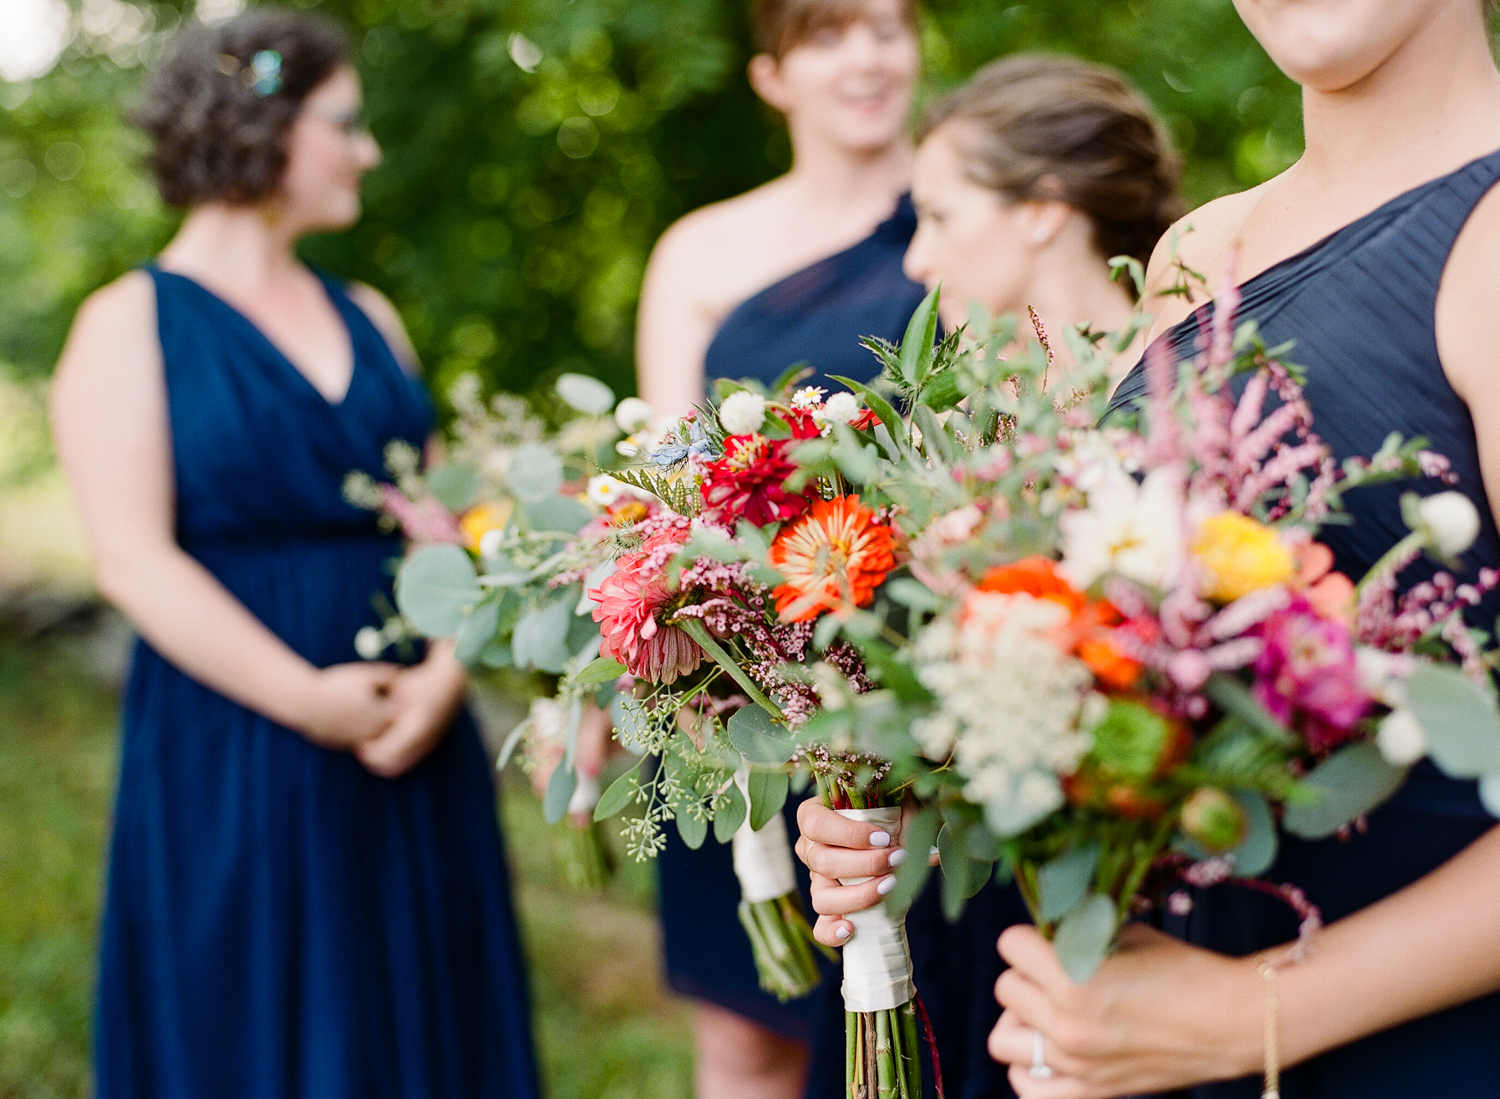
[(882, 1055), (781, 939), (583, 860)]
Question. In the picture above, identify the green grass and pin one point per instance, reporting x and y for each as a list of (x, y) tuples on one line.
[(604, 1027)]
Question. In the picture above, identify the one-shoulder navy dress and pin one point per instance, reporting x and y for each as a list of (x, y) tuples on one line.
[(1359, 307), (817, 316), (279, 922)]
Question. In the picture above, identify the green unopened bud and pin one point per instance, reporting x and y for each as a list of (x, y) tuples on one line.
[(1213, 819)]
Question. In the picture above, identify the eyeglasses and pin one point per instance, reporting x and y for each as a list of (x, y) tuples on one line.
[(351, 123)]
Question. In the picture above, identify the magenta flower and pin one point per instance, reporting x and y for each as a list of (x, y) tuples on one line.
[(1307, 670)]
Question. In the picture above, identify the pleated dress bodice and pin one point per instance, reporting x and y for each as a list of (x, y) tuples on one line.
[(1358, 309)]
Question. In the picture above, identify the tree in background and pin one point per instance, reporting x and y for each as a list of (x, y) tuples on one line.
[(535, 149)]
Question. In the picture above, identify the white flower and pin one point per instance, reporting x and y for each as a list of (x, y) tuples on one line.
[(369, 643), (584, 394), (544, 722), (585, 794), (605, 490), (742, 412), (1128, 528), (1010, 734), (1452, 520), (632, 414), (841, 408), (808, 397), (489, 542), (1382, 674), (1401, 738), (641, 442)]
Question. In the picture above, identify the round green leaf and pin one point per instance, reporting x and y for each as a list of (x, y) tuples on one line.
[(1349, 783), (435, 588)]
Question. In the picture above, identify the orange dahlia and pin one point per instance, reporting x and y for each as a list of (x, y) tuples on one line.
[(834, 556)]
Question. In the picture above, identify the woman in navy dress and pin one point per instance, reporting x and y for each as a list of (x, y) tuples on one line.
[(1375, 253), (793, 271), (307, 892), (1027, 179)]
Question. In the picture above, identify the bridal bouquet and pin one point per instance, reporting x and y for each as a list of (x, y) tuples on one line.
[(502, 536)]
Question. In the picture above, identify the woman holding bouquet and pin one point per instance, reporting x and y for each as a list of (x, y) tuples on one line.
[(794, 271), (1375, 254), (307, 890)]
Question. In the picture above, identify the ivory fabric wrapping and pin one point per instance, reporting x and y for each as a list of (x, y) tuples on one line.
[(877, 960), (585, 794), (763, 859)]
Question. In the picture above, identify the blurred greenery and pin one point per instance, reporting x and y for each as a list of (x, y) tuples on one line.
[(595, 983), (536, 148)]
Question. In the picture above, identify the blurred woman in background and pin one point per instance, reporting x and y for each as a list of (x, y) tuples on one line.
[(794, 271), (1027, 180), (307, 890)]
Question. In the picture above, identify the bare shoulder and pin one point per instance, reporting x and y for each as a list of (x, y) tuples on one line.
[(115, 326), (387, 321), (1188, 261), (1467, 294), (725, 224)]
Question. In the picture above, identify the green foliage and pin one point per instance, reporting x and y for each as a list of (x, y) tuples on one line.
[(515, 210)]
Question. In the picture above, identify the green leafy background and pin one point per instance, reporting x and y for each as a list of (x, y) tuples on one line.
[(515, 211)]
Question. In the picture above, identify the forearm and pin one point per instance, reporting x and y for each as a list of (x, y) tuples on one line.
[(1430, 946), (193, 621)]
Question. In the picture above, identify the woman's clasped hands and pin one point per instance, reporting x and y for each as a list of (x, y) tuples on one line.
[(390, 717)]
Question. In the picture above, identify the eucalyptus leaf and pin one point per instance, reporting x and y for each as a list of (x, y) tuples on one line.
[(496, 654), (541, 636), (454, 486), (1064, 881), (1489, 793), (1458, 716), (1255, 853), (512, 739), (730, 815), (560, 789), (693, 830), (1084, 936), (557, 514), (1350, 783), (963, 874), (910, 593), (853, 460), (477, 630), (585, 394), (603, 670), (768, 793), (536, 472), (621, 793), (435, 588), (759, 737)]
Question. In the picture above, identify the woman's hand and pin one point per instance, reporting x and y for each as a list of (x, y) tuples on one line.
[(426, 698), (1159, 1014), (348, 704), (835, 847)]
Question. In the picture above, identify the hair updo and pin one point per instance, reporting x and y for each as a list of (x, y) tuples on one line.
[(218, 107), (1048, 127)]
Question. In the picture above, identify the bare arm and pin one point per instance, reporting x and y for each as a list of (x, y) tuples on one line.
[(675, 327), (109, 416)]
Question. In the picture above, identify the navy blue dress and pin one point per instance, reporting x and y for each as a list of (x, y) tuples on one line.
[(280, 923), (1360, 306), (817, 316)]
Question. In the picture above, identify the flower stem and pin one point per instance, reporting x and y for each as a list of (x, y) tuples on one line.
[(695, 629)]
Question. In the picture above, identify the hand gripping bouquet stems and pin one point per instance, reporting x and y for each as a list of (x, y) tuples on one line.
[(1194, 671), (500, 538)]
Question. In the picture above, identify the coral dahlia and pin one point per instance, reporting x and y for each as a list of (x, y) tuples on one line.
[(834, 556), (631, 602)]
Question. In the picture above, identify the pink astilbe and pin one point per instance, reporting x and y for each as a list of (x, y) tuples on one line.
[(425, 522)]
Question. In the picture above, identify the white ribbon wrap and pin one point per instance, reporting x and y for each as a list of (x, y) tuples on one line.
[(762, 860), (585, 794), (877, 960)]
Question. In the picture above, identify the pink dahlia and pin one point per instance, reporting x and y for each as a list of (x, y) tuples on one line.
[(749, 483), (631, 602), (1307, 668)]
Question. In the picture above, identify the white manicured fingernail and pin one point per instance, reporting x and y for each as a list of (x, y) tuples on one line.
[(932, 851), (841, 932), (880, 839), (887, 883), (897, 857)]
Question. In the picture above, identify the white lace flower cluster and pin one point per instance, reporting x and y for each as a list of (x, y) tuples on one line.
[(1009, 704)]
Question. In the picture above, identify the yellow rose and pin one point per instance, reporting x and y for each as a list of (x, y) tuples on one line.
[(483, 518), (1240, 556)]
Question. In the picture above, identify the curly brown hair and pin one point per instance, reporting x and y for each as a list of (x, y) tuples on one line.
[(1038, 124), (217, 132)]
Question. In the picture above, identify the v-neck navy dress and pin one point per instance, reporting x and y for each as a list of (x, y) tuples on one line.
[(1358, 308), (279, 922)]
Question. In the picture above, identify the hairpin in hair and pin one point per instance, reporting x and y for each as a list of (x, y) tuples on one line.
[(262, 76)]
